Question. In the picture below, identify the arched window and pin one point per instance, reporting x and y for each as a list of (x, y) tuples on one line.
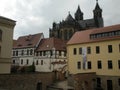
[(0, 35)]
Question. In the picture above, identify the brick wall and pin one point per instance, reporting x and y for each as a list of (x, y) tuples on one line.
[(25, 81)]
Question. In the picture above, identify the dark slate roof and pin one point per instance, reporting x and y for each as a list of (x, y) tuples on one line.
[(87, 23), (69, 18)]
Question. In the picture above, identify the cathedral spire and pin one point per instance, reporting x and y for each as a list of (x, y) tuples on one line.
[(97, 6), (97, 11), (79, 14), (98, 15)]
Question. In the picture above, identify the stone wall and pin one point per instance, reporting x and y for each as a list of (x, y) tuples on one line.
[(82, 81), (25, 81), (114, 79)]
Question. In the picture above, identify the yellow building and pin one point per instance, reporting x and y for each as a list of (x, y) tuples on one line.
[(6, 43), (94, 59)]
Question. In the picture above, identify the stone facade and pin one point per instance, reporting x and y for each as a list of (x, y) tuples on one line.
[(25, 81), (82, 81), (66, 28)]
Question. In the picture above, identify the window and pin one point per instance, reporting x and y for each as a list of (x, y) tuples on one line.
[(60, 53), (0, 50), (13, 53), (31, 52), (80, 50), (109, 85), (22, 52), (43, 53), (37, 53), (119, 81), (110, 48), (88, 50), (40, 53), (97, 49), (41, 62), (27, 52), (37, 62), (79, 65), (74, 51), (13, 61), (119, 64), (99, 65), (110, 64), (16, 53), (0, 35), (98, 82), (64, 53), (89, 64), (27, 62), (119, 47), (21, 61)]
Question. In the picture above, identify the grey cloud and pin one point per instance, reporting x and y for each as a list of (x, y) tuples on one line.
[(36, 16)]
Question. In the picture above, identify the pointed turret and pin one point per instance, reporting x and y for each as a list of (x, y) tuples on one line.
[(69, 17), (79, 14), (98, 15), (97, 11)]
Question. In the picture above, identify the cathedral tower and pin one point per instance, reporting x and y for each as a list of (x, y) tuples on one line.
[(78, 14), (98, 15)]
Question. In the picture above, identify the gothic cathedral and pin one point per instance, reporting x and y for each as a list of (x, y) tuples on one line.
[(66, 28)]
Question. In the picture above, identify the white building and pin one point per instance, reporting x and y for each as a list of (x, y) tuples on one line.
[(24, 49), (51, 55), (47, 54)]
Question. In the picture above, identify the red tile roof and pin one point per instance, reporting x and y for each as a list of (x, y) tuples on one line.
[(84, 36), (28, 41), (50, 43)]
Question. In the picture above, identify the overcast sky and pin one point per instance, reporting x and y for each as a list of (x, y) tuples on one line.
[(37, 16)]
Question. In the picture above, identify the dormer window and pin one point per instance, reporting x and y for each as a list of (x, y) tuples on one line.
[(29, 44), (28, 38), (19, 45)]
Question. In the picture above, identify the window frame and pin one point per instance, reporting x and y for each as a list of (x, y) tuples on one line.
[(97, 49), (78, 65), (88, 50), (1, 35), (89, 65), (110, 49), (99, 64), (110, 64), (74, 51)]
